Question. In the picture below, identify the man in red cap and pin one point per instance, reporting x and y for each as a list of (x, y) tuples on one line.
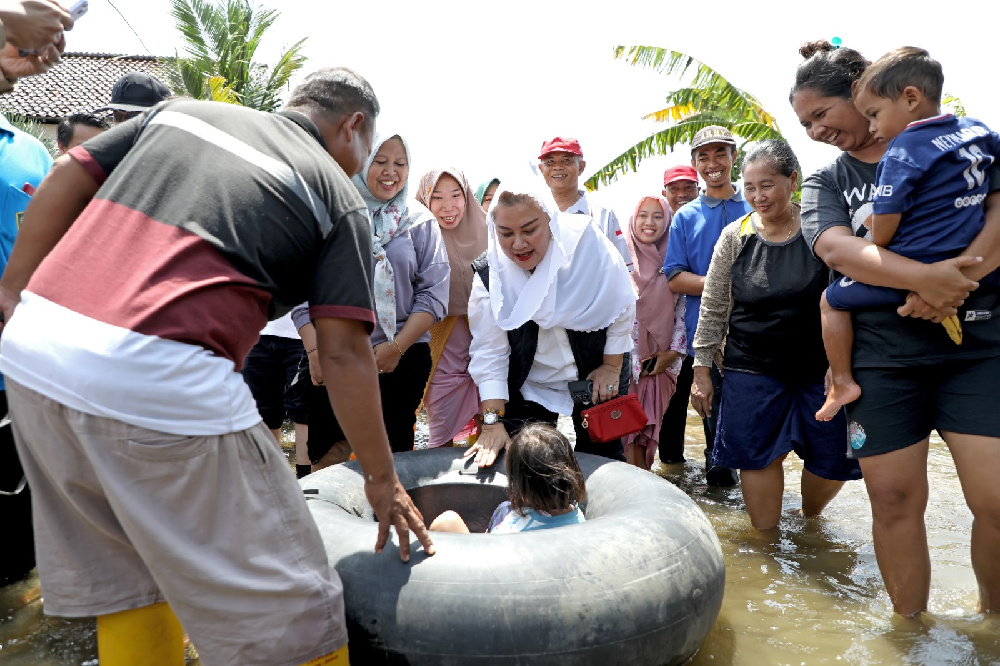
[(680, 185), (561, 163)]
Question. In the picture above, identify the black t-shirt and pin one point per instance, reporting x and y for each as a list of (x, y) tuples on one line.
[(774, 326), (840, 194)]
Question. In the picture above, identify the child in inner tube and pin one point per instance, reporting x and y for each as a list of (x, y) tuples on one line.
[(544, 486)]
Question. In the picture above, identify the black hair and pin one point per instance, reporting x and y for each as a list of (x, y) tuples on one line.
[(337, 91), (542, 471), (67, 126), (776, 153), (831, 71), (906, 66)]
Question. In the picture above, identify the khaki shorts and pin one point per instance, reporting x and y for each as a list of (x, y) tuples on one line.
[(217, 526)]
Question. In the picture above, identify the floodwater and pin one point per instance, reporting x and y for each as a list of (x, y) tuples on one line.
[(808, 594)]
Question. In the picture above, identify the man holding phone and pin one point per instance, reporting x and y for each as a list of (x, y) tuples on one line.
[(31, 38)]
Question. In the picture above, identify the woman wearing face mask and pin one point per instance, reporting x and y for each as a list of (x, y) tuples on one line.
[(451, 398), (761, 302), (552, 302), (411, 284), (659, 335), (910, 383)]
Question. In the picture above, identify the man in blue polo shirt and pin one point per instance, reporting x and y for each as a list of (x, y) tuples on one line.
[(23, 163), (693, 233)]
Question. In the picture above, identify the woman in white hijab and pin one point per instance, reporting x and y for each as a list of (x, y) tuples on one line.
[(551, 303)]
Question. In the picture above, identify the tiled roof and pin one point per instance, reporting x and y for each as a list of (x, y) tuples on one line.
[(80, 82)]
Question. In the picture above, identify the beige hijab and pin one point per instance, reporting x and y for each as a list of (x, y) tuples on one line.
[(464, 243)]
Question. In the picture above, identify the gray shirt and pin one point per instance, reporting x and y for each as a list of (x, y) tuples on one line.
[(421, 275)]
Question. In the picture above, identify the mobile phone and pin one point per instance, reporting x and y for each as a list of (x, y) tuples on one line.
[(582, 391), (79, 9), (648, 365), (76, 11)]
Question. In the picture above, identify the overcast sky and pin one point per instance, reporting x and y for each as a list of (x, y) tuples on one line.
[(480, 85)]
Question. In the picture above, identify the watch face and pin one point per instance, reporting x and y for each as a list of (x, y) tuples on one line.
[(490, 418)]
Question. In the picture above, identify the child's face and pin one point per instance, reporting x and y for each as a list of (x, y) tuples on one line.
[(886, 117)]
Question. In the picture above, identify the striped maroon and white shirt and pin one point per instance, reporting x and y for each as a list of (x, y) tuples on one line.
[(210, 219)]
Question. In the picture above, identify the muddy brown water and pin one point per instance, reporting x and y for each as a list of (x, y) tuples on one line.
[(809, 594)]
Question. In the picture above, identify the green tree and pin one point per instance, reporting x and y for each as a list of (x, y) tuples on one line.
[(221, 38), (707, 99)]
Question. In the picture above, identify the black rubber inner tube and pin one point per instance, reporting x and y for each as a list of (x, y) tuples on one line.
[(641, 582)]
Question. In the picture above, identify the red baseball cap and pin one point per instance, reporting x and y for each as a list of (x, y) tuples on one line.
[(681, 172), (561, 145)]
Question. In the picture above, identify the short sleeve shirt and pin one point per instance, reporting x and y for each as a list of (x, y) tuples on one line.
[(24, 161), (935, 174), (210, 219), (694, 230), (840, 194)]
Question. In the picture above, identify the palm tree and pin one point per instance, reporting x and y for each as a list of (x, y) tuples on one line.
[(708, 99), (221, 39)]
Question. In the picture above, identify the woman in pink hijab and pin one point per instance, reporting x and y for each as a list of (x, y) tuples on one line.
[(660, 340), (451, 398)]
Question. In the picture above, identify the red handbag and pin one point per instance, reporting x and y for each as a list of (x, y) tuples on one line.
[(614, 419)]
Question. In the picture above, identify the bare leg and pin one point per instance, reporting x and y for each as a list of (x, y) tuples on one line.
[(277, 434), (301, 441), (762, 490), (897, 487), (449, 521), (838, 339), (338, 453), (817, 492), (978, 462)]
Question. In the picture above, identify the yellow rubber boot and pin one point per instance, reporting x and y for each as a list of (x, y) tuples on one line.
[(148, 636), (338, 658)]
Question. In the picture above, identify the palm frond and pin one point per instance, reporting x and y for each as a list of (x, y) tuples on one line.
[(221, 38), (660, 143), (220, 92), (955, 102), (673, 114), (708, 98)]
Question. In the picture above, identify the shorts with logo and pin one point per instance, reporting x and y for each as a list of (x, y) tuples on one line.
[(846, 294), (217, 526), (900, 406)]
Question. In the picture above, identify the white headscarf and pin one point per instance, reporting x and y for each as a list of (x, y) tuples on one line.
[(580, 284), (389, 219)]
